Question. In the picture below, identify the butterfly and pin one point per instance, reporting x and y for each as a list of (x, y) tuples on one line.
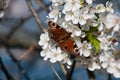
[(63, 38)]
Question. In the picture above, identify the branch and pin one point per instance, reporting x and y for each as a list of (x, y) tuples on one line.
[(69, 75), (38, 20), (63, 68), (5, 70), (11, 33), (42, 5), (91, 75), (22, 21), (55, 71), (19, 66), (26, 53), (109, 77)]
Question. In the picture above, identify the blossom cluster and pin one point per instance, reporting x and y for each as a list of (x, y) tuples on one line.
[(94, 29)]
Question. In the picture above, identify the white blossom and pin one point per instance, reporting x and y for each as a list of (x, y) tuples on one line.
[(111, 69), (56, 55), (101, 27), (84, 15), (69, 15), (57, 1), (117, 74), (80, 18), (72, 29), (76, 32), (104, 43), (44, 40), (108, 62), (109, 6), (54, 14), (106, 58), (85, 49), (89, 1), (112, 21), (100, 8), (45, 53), (118, 64), (67, 60), (72, 5), (94, 66)]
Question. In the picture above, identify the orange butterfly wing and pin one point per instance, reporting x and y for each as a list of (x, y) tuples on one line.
[(64, 39), (56, 32), (67, 45)]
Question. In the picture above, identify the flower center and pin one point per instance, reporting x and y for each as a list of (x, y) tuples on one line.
[(70, 13), (73, 2), (55, 54)]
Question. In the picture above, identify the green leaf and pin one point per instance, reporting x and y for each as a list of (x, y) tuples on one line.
[(96, 44), (94, 41), (93, 38)]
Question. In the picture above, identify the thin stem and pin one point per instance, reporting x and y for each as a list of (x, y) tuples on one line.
[(109, 77), (15, 29), (69, 75), (63, 68), (38, 20), (39, 2), (22, 21), (26, 53), (55, 71), (5, 70), (91, 75), (19, 66)]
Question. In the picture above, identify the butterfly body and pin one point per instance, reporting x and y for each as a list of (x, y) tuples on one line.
[(63, 38)]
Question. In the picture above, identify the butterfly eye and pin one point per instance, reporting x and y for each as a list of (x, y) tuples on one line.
[(53, 24), (76, 51)]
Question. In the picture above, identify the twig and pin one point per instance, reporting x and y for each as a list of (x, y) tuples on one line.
[(26, 53), (9, 77), (91, 75), (5, 42), (42, 5), (19, 66), (69, 75), (109, 77), (55, 71), (22, 21), (63, 68), (38, 20), (15, 29)]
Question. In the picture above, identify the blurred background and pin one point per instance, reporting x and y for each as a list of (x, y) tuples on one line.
[(19, 50)]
